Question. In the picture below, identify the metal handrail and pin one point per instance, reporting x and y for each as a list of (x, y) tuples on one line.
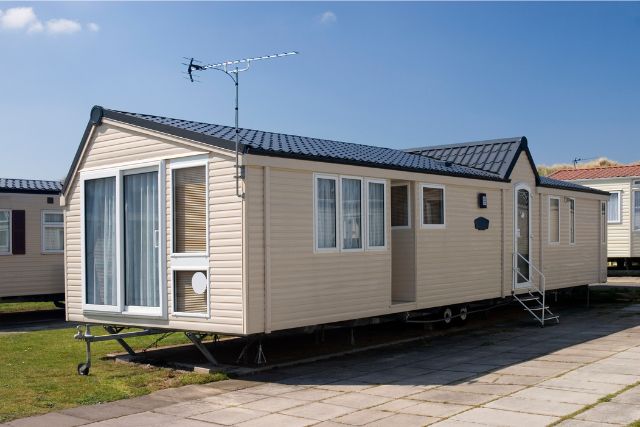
[(540, 289)]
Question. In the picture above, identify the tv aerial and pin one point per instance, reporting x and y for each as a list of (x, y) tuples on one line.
[(232, 69)]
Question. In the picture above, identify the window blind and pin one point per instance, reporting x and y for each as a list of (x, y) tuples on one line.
[(190, 210), (186, 300)]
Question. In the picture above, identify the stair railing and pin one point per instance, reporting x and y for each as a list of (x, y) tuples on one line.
[(540, 289)]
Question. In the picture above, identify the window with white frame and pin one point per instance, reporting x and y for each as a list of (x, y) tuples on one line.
[(52, 232), (636, 210), (615, 203), (349, 213), (376, 214), (572, 221), (400, 216), (433, 205), (554, 220), (5, 231), (603, 222), (351, 210), (122, 232), (190, 209), (326, 203)]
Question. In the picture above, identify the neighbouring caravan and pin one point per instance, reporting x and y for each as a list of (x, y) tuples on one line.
[(623, 216), (31, 240), (162, 233)]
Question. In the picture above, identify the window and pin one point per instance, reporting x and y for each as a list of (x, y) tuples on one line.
[(572, 221), (52, 232), (5, 232), (433, 206), (376, 212), (603, 222), (400, 206), (614, 207), (636, 210), (554, 220), (191, 292), (326, 212), (100, 241), (190, 210), (351, 213), (122, 240)]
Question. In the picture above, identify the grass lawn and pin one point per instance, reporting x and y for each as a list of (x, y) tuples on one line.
[(38, 373), (16, 307)]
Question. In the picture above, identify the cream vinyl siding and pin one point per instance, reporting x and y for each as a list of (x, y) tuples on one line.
[(34, 273), (619, 235), (255, 185), (565, 264), (310, 288), (112, 145)]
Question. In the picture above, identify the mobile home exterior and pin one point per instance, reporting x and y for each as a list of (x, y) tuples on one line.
[(623, 183), (31, 240), (311, 231)]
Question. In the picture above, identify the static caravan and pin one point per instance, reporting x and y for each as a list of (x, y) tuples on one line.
[(623, 215), (162, 230), (31, 240)]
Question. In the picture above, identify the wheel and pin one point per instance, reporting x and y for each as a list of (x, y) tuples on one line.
[(447, 316), (463, 313), (83, 369)]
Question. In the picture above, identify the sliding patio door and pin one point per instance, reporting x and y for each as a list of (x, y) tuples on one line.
[(141, 240)]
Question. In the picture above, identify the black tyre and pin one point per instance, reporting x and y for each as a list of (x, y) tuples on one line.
[(83, 369), (463, 313), (447, 316)]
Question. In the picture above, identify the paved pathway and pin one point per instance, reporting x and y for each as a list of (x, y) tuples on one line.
[(515, 376)]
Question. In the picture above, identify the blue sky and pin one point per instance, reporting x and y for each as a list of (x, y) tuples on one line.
[(400, 75)]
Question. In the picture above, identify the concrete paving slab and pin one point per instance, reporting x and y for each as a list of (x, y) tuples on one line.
[(230, 416), (277, 420), (363, 417), (534, 406), (444, 396), (396, 405), (357, 400), (499, 417), (150, 419), (555, 395), (393, 391), (483, 388), (273, 404), (631, 397), (494, 378), (404, 420), (311, 394), (319, 411), (234, 398), (582, 423), (435, 409), (188, 409), (147, 403), (102, 411), (611, 412), (53, 419), (561, 383)]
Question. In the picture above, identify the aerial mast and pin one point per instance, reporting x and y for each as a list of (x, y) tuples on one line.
[(232, 69)]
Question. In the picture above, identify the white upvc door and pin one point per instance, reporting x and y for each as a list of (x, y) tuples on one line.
[(522, 237)]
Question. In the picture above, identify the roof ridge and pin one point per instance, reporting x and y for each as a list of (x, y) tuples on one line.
[(32, 179), (597, 167)]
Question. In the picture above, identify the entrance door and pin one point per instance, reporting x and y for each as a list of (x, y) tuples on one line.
[(522, 240)]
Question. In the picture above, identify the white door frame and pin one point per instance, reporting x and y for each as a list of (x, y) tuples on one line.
[(517, 188)]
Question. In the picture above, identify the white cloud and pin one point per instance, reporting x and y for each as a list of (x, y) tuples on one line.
[(62, 26), (25, 18), (18, 18), (328, 17)]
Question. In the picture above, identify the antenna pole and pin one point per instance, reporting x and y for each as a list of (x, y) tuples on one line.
[(237, 136), (235, 76)]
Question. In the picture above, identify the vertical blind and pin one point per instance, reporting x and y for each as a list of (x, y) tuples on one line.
[(351, 213), (572, 219), (100, 241), (141, 240), (614, 207), (432, 205), (190, 210), (4, 231), (376, 214), (186, 300), (400, 206), (326, 215), (554, 220)]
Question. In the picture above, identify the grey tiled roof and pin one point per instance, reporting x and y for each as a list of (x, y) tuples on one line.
[(545, 181), (284, 145), (495, 156), (30, 186)]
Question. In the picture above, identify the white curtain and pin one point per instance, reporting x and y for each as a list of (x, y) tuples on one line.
[(351, 213), (376, 214), (326, 215), (141, 225), (636, 210), (100, 241), (614, 207), (4, 231)]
